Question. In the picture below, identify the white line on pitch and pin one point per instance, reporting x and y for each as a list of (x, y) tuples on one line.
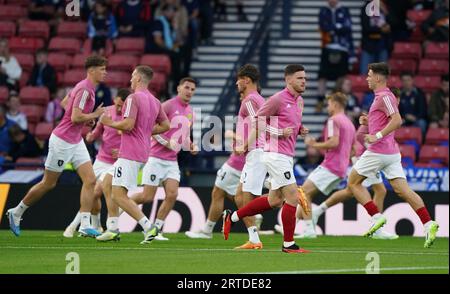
[(345, 270)]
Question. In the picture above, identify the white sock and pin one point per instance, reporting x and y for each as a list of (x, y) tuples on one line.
[(85, 220), (145, 224), (253, 235), (76, 221), (209, 226), (112, 223), (234, 217), (427, 224), (287, 244), (309, 226), (322, 207), (20, 209), (376, 216), (159, 223), (95, 220)]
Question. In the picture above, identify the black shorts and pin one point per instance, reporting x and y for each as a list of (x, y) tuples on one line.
[(333, 64)]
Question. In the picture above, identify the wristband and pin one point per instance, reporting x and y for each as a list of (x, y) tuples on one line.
[(379, 135)]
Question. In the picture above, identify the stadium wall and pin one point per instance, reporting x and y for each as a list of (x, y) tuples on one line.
[(56, 210)]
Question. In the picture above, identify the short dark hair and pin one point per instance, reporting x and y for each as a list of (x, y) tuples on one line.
[(15, 130), (123, 93), (381, 68), (188, 79), (444, 78), (250, 71), (292, 69), (338, 97), (406, 73), (145, 71), (41, 51), (94, 61)]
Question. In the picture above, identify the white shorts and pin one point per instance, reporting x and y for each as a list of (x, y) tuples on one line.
[(254, 172), (101, 168), (280, 168), (373, 180), (324, 180), (60, 152), (126, 173), (372, 163), (228, 179), (157, 170)]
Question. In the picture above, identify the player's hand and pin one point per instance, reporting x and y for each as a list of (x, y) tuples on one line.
[(229, 134), (99, 110), (287, 132), (310, 141), (304, 131), (106, 119), (89, 138), (363, 119), (240, 149), (194, 149), (115, 153), (370, 139)]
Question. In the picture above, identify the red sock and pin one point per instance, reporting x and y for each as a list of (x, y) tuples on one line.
[(258, 205), (423, 214), (288, 219), (371, 208)]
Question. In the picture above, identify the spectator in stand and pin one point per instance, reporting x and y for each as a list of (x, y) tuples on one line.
[(220, 10), (102, 95), (46, 9), (43, 74), (24, 144), (337, 45), (162, 40), (413, 104), (134, 17), (435, 27), (376, 37), (424, 4), (14, 112), (101, 27), (353, 109), (5, 139), (438, 107), (55, 111), (10, 70), (397, 18), (207, 21), (192, 7)]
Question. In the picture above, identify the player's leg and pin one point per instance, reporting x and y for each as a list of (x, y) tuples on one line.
[(97, 207), (36, 192), (379, 194), (335, 198), (171, 190), (242, 199), (310, 190), (112, 222)]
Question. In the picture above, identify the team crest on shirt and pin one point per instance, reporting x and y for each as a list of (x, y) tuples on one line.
[(288, 106)]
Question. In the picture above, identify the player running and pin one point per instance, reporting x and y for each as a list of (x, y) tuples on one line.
[(104, 161), (282, 110), (383, 154), (66, 145), (142, 117)]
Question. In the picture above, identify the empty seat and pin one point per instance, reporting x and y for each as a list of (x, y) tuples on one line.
[(7, 29), (437, 136), (404, 50), (436, 50), (59, 61), (78, 60), (122, 62), (34, 95), (130, 45), (34, 113), (25, 60), (394, 81), (34, 28), (158, 83), (158, 62), (43, 130), (25, 45), (427, 84), (359, 83), (4, 95), (400, 65), (24, 3), (72, 77), (24, 79), (65, 45), (418, 16), (12, 12), (29, 163), (408, 151), (118, 79), (72, 29), (433, 67), (432, 153), (409, 135)]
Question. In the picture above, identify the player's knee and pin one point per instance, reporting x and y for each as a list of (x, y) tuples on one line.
[(276, 202), (171, 196)]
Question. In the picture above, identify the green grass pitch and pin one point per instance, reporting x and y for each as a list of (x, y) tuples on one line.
[(45, 252)]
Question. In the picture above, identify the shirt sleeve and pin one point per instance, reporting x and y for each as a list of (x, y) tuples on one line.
[(270, 107), (362, 130), (389, 105), (332, 128), (162, 116), (251, 108), (130, 109), (81, 99)]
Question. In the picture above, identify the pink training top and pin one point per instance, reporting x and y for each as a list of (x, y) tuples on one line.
[(281, 111), (384, 105), (110, 137), (337, 159), (146, 110), (181, 120), (236, 161), (247, 116), (82, 97)]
